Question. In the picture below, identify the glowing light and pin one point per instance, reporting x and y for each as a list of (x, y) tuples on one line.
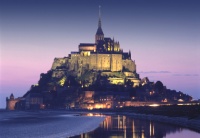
[(62, 81), (180, 100), (180, 104), (89, 114), (90, 108), (165, 100), (94, 114), (154, 105)]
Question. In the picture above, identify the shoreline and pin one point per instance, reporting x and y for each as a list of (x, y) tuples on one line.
[(52, 124), (193, 124)]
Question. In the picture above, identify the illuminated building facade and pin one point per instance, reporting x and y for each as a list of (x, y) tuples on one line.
[(103, 55)]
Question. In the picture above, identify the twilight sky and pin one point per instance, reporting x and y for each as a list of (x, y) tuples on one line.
[(163, 36)]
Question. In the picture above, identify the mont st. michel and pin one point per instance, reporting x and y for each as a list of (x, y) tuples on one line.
[(99, 75)]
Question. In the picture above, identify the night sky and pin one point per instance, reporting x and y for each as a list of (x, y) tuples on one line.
[(163, 36)]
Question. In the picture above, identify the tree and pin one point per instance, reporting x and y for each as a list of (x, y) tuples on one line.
[(129, 83), (159, 86)]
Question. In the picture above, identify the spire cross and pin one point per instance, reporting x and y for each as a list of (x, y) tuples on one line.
[(99, 12)]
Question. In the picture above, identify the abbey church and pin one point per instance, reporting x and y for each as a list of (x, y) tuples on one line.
[(103, 55)]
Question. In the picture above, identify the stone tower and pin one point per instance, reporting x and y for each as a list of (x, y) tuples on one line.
[(10, 103), (12, 96)]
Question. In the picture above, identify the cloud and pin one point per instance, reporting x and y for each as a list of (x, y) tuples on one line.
[(154, 72), (186, 75), (168, 72)]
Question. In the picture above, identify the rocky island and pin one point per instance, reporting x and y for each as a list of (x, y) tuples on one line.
[(100, 75)]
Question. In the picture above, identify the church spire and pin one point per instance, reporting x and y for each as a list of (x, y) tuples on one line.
[(99, 34), (99, 25)]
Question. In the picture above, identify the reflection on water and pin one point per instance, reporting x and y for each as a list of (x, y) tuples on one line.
[(128, 127)]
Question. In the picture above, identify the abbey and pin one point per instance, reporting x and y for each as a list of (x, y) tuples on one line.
[(98, 75), (103, 55)]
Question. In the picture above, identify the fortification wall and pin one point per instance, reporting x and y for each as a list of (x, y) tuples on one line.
[(10, 104)]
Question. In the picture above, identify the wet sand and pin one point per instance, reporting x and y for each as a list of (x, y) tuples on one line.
[(51, 124)]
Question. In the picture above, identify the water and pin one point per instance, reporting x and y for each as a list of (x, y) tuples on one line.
[(45, 124), (129, 127)]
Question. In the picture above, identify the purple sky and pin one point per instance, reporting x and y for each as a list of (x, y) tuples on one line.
[(163, 36)]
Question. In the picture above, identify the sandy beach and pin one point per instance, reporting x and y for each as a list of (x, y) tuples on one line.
[(51, 124)]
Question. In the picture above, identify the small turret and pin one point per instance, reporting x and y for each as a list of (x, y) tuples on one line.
[(129, 53), (11, 97)]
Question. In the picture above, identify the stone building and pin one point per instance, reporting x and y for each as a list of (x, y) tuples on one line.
[(103, 100), (103, 55), (33, 101), (28, 101), (11, 102)]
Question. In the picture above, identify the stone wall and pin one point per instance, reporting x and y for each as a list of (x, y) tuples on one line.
[(129, 65), (98, 61), (10, 104), (116, 62), (103, 61), (93, 61), (74, 61)]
